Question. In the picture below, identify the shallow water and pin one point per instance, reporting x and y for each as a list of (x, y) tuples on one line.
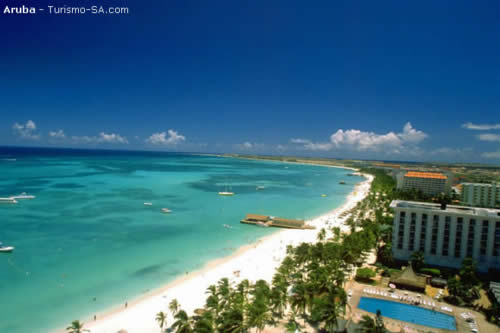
[(88, 234)]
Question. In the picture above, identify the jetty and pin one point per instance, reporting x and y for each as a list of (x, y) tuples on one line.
[(277, 222)]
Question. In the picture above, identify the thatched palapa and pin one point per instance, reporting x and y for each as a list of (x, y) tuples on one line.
[(407, 279)]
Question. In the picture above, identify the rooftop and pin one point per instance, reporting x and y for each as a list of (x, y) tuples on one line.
[(418, 174), (464, 210), (480, 184)]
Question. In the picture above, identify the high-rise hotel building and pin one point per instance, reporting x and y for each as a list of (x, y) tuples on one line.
[(446, 234), (483, 195), (430, 183)]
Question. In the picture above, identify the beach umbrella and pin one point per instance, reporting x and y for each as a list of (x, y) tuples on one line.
[(392, 285)]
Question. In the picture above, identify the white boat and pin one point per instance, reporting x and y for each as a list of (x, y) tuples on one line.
[(227, 226), (23, 195), (8, 200), (226, 192), (260, 187), (262, 224), (6, 248), (148, 204), (166, 210)]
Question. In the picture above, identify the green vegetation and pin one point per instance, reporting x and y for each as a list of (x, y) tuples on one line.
[(431, 271), (76, 327), (161, 318), (370, 325), (417, 260), (464, 287), (365, 275)]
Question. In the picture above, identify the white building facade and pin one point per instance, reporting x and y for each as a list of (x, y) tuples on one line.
[(446, 236), (481, 195)]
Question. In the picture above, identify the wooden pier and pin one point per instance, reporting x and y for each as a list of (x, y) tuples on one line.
[(277, 222)]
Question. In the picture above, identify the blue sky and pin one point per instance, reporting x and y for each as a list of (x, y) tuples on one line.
[(355, 79)]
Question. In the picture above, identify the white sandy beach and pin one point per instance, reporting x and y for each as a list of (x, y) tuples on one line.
[(254, 262)]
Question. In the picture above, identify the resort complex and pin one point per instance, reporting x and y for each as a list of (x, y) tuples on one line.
[(447, 234)]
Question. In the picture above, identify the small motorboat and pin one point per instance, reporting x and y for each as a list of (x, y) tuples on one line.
[(260, 187), (6, 248), (9, 200), (166, 210), (148, 204), (227, 226), (342, 182), (226, 193), (23, 195)]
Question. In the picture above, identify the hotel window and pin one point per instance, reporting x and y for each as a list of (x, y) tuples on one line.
[(401, 230), (446, 239), (423, 229), (484, 238), (470, 238), (434, 237), (458, 236), (413, 223), (496, 243)]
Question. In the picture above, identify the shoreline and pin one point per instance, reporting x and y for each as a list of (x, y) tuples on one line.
[(258, 260), (298, 162)]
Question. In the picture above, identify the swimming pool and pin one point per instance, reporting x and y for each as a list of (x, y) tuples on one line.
[(409, 313)]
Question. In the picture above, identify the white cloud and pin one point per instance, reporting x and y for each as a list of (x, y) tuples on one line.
[(318, 146), (170, 137), (280, 148), (448, 152), (481, 127), (245, 146), (59, 134), (26, 131), (489, 137), (101, 138), (111, 138), (300, 141), (412, 135), (253, 146), (492, 155), (354, 139)]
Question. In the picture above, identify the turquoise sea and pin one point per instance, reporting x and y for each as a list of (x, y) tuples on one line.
[(87, 242)]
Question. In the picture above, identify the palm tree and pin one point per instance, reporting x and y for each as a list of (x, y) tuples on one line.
[(204, 323), (293, 325), (321, 235), (417, 260), (161, 318), (173, 306), (76, 327), (379, 322), (182, 323), (367, 325)]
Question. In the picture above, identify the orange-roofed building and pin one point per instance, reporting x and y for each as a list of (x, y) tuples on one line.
[(430, 183)]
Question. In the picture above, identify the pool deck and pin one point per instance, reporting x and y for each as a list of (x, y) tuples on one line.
[(395, 325)]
